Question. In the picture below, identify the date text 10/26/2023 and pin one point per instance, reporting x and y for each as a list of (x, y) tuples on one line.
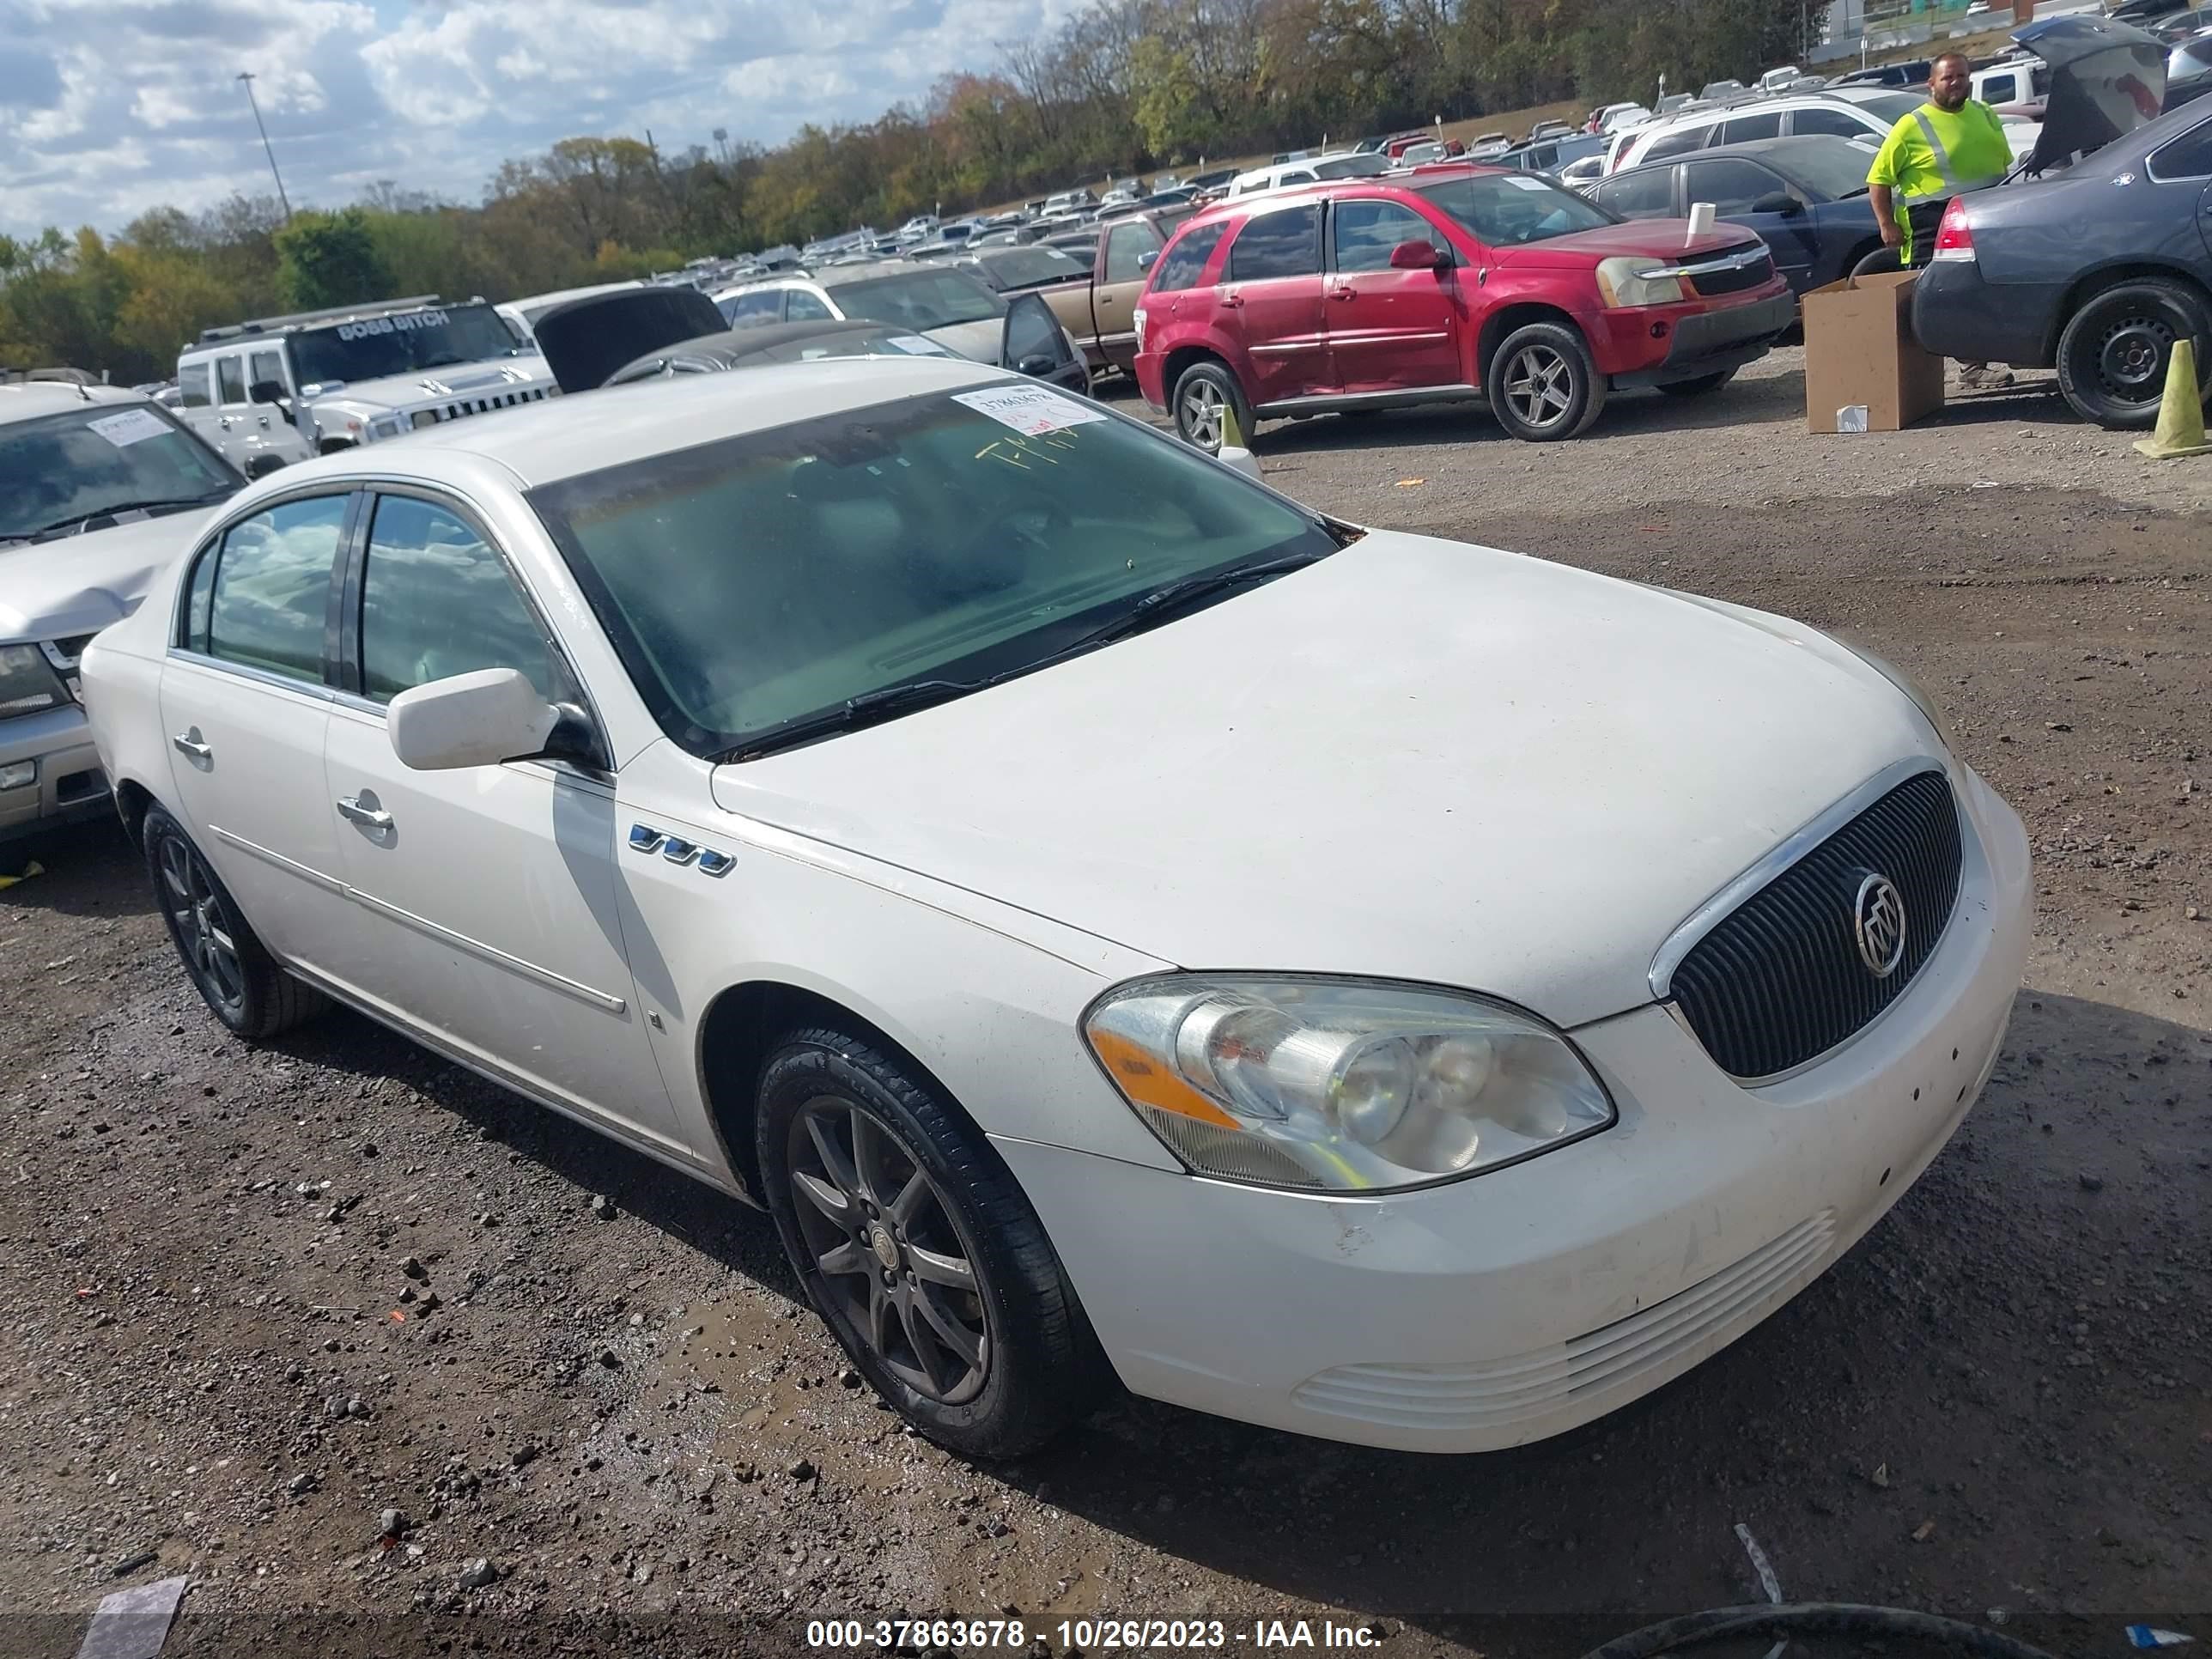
[(1094, 1635)]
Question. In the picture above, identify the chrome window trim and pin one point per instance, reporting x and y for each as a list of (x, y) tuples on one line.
[(312, 689), (1792, 848)]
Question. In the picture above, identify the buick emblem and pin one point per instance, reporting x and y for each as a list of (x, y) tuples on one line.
[(1878, 920)]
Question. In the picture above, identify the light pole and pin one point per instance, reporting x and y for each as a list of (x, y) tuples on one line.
[(246, 75)]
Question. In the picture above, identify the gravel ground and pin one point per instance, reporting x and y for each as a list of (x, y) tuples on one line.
[(617, 1430)]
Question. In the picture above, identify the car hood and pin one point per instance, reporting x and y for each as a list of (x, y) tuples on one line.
[(1415, 760), (450, 381), (1659, 239), (2106, 80), (584, 340), (79, 584)]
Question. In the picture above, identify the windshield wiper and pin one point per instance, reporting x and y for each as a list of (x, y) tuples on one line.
[(59, 524), (868, 709), (1157, 607)]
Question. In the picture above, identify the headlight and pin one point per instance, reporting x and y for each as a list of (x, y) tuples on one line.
[(1621, 281), (28, 682), (1139, 326), (1912, 688), (1341, 1085), (387, 426)]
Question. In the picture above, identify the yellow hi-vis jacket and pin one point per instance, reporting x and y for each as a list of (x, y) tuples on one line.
[(1935, 152)]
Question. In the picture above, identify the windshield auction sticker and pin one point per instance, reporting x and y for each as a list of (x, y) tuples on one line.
[(1029, 409), (131, 426)]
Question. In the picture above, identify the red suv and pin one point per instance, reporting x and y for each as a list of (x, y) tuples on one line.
[(1447, 283)]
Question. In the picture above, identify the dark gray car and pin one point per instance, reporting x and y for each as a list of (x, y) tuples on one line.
[(2096, 268)]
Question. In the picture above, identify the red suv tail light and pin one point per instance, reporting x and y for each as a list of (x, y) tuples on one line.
[(1954, 240)]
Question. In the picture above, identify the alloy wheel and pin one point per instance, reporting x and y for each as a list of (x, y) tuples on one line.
[(882, 1238), (2131, 358), (1202, 403), (1539, 384), (205, 932)]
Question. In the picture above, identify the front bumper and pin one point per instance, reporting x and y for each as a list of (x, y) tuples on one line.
[(1515, 1305), (1707, 342), (69, 787), (1955, 313)]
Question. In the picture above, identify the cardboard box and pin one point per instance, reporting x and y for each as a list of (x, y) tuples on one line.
[(1863, 370)]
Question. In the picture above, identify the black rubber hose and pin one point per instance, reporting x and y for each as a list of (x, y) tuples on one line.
[(1942, 1636)]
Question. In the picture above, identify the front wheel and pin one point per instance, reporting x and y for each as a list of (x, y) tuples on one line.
[(1699, 386), (1543, 385), (919, 1251), (1205, 395), (2113, 355)]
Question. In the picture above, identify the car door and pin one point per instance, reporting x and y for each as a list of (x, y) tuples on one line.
[(237, 416), (195, 401), (2180, 169), (245, 700), (1389, 329), (1114, 296), (484, 897), (1272, 294), (1736, 185)]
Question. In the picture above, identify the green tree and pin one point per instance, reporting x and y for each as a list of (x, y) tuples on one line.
[(330, 260)]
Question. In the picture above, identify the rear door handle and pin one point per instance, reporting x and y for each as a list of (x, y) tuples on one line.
[(1232, 299), (188, 743), (373, 818)]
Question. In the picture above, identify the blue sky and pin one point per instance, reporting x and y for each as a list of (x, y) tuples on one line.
[(108, 107)]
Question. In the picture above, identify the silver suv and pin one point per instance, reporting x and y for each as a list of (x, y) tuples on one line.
[(100, 488), (355, 374)]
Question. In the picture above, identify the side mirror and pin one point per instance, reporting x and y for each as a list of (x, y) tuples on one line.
[(479, 719), (272, 393), (1148, 258), (1778, 201), (1036, 366), (1419, 256), (1235, 455)]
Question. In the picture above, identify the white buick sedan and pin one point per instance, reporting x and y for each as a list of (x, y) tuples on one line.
[(1121, 923)]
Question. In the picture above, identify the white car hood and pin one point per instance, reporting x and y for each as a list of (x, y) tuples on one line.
[(443, 384), (1415, 760), (79, 584)]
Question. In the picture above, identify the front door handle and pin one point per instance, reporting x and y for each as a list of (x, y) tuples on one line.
[(1344, 294), (364, 813), (1232, 299), (188, 743)]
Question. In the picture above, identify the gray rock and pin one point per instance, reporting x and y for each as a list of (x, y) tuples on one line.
[(603, 1207), (413, 1268), (2091, 1184), (301, 1484), (478, 1573), (802, 1470)]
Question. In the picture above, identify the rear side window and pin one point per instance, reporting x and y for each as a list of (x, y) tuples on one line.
[(195, 386), (1286, 243), (1649, 194), (1184, 263), (271, 588), (436, 601), (752, 310), (2189, 156), (1741, 129), (1832, 121), (230, 375), (1677, 143)]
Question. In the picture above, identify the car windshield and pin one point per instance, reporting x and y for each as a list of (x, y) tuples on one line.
[(402, 343), (1830, 167), (765, 578), (1503, 209), (919, 300), (1032, 267), (96, 458)]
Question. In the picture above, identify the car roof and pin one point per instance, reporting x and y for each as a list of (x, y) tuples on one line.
[(1290, 195), (1777, 150), (539, 443), (26, 400)]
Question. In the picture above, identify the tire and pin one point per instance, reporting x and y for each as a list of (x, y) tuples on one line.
[(2112, 353), (1698, 387), (1560, 392), (1201, 393), (234, 972), (1031, 1366)]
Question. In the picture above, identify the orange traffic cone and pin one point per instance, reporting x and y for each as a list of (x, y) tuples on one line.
[(2180, 410)]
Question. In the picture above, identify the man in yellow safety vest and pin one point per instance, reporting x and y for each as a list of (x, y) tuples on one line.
[(1951, 144)]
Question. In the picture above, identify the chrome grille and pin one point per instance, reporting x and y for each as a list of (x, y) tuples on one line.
[(1779, 981), (1737, 279), (455, 408)]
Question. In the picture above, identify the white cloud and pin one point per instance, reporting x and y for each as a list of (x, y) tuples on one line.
[(107, 109)]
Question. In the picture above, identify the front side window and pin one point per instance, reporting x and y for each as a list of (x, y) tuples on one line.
[(1648, 193), (1033, 331), (1286, 243), (1833, 122), (1125, 244), (230, 376), (195, 386), (768, 578), (1732, 185), (1504, 210), (437, 601), (1367, 232), (271, 590), (264, 366), (59, 471), (1742, 128), (1185, 262), (752, 310)]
